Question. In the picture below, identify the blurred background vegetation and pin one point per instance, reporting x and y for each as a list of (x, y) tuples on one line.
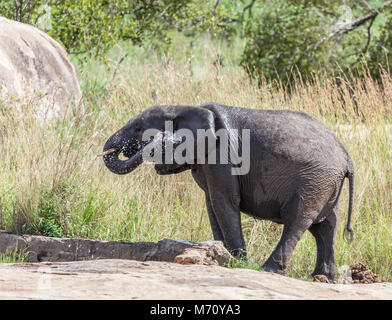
[(309, 36)]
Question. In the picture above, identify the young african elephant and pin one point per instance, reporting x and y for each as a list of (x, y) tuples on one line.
[(295, 172)]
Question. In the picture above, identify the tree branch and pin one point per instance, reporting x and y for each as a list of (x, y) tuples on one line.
[(216, 5), (369, 36), (350, 26), (360, 21), (249, 8), (40, 14)]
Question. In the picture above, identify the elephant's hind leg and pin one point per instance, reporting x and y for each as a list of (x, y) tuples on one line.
[(297, 218), (324, 233)]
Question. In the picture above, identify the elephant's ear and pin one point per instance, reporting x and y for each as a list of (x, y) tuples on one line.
[(199, 121), (193, 118)]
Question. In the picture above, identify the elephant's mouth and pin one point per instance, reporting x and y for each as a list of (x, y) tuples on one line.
[(169, 169), (128, 153)]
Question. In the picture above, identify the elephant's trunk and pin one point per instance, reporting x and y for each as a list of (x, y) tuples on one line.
[(118, 166)]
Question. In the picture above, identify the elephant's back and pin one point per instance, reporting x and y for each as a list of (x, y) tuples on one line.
[(296, 137), (291, 135)]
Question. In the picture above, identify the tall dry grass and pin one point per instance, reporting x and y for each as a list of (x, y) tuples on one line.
[(52, 183)]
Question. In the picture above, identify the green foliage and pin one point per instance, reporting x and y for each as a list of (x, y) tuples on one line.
[(243, 263), (27, 11), (381, 52), (50, 210), (93, 26), (281, 36), (275, 40), (62, 212), (15, 256), (314, 37), (6, 9)]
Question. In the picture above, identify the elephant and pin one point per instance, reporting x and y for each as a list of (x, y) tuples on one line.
[(297, 167)]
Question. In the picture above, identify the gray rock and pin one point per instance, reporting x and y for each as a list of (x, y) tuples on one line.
[(34, 67), (39, 248)]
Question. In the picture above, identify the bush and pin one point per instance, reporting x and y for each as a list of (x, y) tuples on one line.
[(51, 210), (315, 37)]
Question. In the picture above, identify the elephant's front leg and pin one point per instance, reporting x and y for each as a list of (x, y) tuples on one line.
[(224, 199), (216, 231), (227, 214), (223, 204)]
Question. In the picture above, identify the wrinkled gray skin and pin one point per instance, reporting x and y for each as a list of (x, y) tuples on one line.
[(297, 170)]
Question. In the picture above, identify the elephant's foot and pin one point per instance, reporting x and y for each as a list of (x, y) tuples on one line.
[(326, 270), (271, 266), (239, 254)]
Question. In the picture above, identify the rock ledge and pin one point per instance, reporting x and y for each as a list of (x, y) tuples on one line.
[(39, 249)]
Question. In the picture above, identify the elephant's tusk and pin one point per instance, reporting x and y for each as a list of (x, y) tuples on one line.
[(110, 151)]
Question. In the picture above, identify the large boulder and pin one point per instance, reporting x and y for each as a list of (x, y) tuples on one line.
[(34, 68)]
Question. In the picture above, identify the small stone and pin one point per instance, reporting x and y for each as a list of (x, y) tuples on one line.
[(189, 258)]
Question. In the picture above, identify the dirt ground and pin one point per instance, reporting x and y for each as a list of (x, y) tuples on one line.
[(129, 279)]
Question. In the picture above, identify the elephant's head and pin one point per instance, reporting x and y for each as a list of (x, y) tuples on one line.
[(132, 143)]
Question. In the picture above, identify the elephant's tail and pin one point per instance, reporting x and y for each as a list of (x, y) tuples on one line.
[(348, 231)]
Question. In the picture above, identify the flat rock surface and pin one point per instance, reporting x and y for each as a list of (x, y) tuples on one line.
[(129, 279)]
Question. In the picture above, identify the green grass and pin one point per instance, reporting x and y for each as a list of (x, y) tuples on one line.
[(53, 184), (244, 263), (14, 256)]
